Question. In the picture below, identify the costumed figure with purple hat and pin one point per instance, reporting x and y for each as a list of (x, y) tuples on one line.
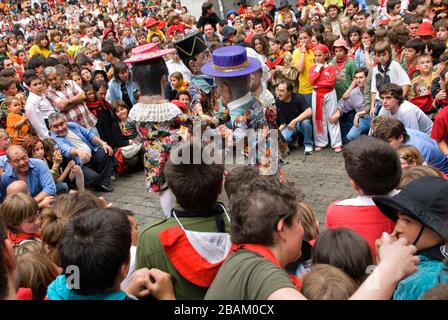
[(231, 68), (156, 120)]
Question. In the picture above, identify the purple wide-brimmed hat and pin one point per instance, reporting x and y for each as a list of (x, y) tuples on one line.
[(230, 61)]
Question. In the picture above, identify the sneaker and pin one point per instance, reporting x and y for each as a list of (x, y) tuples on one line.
[(317, 149), (338, 149), (308, 150)]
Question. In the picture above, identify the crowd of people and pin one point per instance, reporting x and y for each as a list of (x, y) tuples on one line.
[(93, 90)]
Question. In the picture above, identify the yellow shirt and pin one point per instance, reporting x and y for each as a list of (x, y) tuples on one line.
[(305, 86), (35, 49), (157, 33)]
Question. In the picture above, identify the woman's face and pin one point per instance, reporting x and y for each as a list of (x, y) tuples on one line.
[(12, 42), (354, 38), (124, 75), (366, 38), (121, 113), (90, 95), (274, 46), (287, 46), (314, 41), (43, 42), (175, 82), (333, 13), (86, 75)]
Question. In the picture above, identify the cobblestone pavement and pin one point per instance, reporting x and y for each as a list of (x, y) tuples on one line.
[(321, 176)]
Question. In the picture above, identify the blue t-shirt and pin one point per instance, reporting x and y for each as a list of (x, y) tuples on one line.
[(428, 149)]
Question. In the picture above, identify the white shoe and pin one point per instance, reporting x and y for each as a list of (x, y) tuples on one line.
[(308, 150)]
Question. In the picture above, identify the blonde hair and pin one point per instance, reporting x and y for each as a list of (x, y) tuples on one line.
[(64, 208), (16, 208), (10, 100), (177, 75), (36, 271), (411, 155), (309, 221), (325, 282), (412, 173)]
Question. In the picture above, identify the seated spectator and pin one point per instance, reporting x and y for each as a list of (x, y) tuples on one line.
[(373, 169), (35, 172), (20, 214), (394, 132), (325, 282), (88, 242), (91, 153), (413, 173), (420, 213), (266, 230), (410, 157), (164, 244), (395, 106)]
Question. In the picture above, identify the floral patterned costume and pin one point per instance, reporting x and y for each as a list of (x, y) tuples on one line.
[(157, 126)]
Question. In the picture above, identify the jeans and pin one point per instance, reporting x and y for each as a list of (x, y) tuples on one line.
[(308, 99), (346, 123), (364, 126), (99, 169), (305, 128)]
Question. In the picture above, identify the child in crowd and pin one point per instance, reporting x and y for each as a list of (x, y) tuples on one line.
[(88, 242), (414, 48), (20, 214), (373, 168), (386, 71), (4, 141), (345, 67), (16, 122), (419, 211), (409, 156), (326, 282), (420, 92), (413, 173), (75, 76), (332, 247), (178, 84), (323, 78)]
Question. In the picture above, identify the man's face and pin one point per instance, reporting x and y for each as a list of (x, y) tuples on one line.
[(18, 159), (389, 102), (54, 80), (8, 63), (259, 28), (59, 127), (351, 10), (282, 92), (397, 9), (360, 79)]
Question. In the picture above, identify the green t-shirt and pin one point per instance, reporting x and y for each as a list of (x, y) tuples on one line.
[(344, 77), (150, 252), (247, 276)]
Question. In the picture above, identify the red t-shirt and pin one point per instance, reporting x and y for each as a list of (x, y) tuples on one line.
[(440, 127), (361, 215)]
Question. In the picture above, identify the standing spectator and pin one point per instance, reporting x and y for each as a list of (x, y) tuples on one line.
[(208, 16), (122, 87)]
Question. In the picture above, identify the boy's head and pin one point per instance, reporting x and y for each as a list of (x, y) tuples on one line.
[(195, 184), (8, 86), (414, 48), (98, 243), (237, 176), (383, 52), (424, 64), (413, 24), (436, 47), (391, 131), (325, 282), (441, 29), (372, 165), (33, 81), (20, 213), (391, 96), (37, 63)]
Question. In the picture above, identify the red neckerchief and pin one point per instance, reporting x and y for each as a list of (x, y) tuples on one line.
[(94, 106), (266, 253), (274, 60), (411, 70), (17, 238), (398, 51)]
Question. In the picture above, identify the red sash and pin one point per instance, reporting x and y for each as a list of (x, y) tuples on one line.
[(320, 97), (266, 253), (17, 238)]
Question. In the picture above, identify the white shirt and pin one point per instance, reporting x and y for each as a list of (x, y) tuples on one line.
[(77, 141), (411, 116), (38, 108), (180, 67)]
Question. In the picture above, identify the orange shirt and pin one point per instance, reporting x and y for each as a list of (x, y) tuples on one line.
[(11, 120)]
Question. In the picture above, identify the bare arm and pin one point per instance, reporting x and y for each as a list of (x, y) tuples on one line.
[(406, 90)]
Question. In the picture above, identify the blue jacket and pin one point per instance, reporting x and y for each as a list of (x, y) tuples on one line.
[(38, 178), (114, 91), (65, 145), (427, 276)]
